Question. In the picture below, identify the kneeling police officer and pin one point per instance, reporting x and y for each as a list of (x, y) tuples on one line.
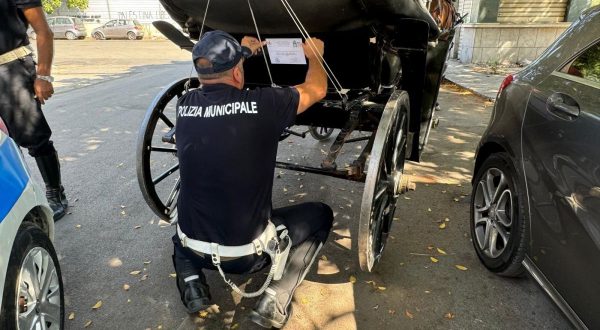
[(227, 141)]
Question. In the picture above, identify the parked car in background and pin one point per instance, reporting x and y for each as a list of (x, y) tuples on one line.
[(64, 27), (119, 29), (31, 288), (535, 204)]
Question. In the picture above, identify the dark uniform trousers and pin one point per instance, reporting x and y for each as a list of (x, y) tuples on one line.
[(308, 224), (20, 111)]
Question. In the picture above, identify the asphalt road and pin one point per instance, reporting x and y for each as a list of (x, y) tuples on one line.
[(110, 231)]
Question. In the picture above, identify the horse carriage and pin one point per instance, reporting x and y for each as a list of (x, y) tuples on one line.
[(384, 60)]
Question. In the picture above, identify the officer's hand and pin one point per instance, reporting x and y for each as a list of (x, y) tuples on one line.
[(43, 90), (254, 44), (312, 47)]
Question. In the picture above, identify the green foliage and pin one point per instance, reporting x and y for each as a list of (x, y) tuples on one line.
[(588, 64), (51, 5)]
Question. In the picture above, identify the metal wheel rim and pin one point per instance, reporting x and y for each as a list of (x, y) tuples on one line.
[(380, 191), (494, 212), (38, 297), (71, 36), (167, 209), (97, 36), (131, 36)]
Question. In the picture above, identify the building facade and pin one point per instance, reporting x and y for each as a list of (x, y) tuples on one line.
[(512, 31)]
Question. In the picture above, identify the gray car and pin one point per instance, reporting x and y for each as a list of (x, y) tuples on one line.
[(535, 204), (119, 29), (63, 27)]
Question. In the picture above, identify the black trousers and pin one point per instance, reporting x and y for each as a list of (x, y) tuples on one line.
[(308, 225), (20, 111)]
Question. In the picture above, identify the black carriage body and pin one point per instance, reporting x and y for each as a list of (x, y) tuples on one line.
[(370, 45)]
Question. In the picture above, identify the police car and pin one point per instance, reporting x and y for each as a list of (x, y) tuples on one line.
[(31, 289)]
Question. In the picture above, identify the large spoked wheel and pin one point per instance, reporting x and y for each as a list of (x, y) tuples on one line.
[(498, 221), (157, 163), (33, 290), (384, 176)]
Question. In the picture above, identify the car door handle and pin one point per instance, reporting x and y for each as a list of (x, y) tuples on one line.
[(563, 105)]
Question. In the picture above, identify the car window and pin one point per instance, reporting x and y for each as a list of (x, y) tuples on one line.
[(586, 65), (110, 23), (64, 20), (77, 21), (122, 22), (50, 21)]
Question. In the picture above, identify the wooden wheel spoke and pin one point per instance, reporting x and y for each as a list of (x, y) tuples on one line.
[(163, 149), (166, 120), (165, 174)]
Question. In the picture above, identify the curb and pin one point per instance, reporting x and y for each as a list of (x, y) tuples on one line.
[(472, 90)]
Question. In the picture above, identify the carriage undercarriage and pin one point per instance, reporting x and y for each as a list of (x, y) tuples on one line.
[(396, 110)]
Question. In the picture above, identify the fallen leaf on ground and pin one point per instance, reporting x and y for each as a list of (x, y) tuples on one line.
[(285, 189), (137, 227), (456, 200), (304, 301), (370, 282), (123, 213), (292, 200), (235, 326), (77, 226), (147, 262), (381, 288), (135, 272), (71, 316), (391, 312), (324, 257), (163, 223), (430, 247), (97, 305), (376, 307), (434, 260), (126, 287), (87, 323), (461, 267), (145, 277), (203, 314), (443, 225), (173, 275), (428, 209), (447, 220), (449, 316), (408, 314), (352, 279), (440, 251)]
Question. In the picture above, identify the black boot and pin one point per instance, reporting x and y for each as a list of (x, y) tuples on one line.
[(192, 286), (268, 313), (50, 170)]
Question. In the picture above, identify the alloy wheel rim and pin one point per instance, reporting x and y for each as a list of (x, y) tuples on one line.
[(493, 211), (38, 300)]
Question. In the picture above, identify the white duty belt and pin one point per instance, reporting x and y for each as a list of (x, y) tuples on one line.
[(15, 54), (268, 242)]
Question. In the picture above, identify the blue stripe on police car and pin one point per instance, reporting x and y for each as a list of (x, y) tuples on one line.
[(13, 176)]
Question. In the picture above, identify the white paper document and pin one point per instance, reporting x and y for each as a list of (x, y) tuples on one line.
[(286, 51)]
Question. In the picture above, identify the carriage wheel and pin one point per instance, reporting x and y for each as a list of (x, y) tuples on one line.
[(320, 133), (384, 176), (157, 164)]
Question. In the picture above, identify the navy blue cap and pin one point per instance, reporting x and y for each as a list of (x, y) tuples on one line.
[(221, 49)]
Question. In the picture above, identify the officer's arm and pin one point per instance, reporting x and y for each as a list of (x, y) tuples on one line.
[(314, 87), (45, 47)]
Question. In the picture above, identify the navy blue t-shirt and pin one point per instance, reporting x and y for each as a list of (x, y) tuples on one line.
[(227, 144), (13, 25)]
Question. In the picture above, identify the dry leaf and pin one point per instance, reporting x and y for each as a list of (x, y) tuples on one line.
[(304, 301), (87, 323), (97, 305), (135, 272), (147, 262), (77, 226), (391, 312), (381, 288), (285, 189), (440, 251), (123, 213), (324, 257), (145, 277), (461, 267), (173, 275), (137, 227), (126, 287), (203, 314), (163, 223), (430, 247), (447, 220), (292, 200), (428, 209), (456, 199), (235, 326), (72, 316), (434, 260), (449, 316), (352, 279), (408, 314), (443, 225)]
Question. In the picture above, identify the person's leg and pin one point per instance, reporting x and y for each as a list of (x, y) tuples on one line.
[(191, 282), (309, 225), (27, 125)]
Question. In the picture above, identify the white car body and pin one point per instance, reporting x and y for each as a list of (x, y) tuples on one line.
[(21, 200)]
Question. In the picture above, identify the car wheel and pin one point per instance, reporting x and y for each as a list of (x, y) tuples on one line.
[(131, 36), (97, 36), (70, 35), (320, 133), (33, 291), (499, 225)]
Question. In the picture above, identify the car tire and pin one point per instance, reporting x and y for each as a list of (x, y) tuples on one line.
[(499, 222), (70, 35), (32, 254), (320, 133), (131, 36), (97, 36)]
